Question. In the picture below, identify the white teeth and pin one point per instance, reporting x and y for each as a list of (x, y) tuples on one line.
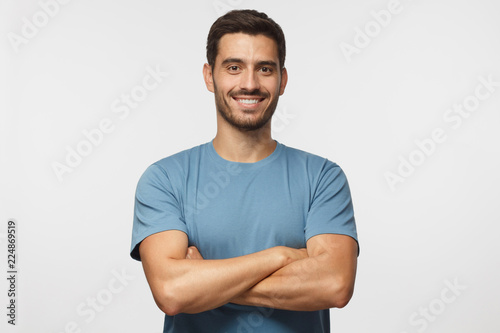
[(248, 101)]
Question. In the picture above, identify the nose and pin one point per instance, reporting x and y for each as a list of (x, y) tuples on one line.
[(249, 81)]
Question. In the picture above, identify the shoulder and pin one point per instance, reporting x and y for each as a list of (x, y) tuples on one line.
[(181, 158), (175, 165), (309, 160), (318, 170)]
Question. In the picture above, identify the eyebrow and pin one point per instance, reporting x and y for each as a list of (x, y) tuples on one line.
[(240, 61)]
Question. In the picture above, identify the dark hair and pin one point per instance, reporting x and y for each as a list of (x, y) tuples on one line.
[(247, 21)]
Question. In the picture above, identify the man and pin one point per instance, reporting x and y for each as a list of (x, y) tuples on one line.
[(244, 234)]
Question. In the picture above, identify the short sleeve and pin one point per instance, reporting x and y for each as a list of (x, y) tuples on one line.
[(156, 208), (331, 209)]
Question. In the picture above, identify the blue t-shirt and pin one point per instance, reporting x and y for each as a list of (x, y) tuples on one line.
[(230, 209)]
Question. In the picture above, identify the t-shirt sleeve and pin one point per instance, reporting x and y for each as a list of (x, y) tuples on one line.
[(331, 210), (156, 208)]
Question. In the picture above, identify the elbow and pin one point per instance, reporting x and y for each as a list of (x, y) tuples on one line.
[(169, 302), (169, 309), (341, 302), (341, 293)]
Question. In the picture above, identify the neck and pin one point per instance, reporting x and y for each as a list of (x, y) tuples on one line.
[(246, 147)]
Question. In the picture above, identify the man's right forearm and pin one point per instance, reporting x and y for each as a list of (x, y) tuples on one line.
[(192, 286)]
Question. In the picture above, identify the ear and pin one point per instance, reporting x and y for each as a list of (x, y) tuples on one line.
[(207, 75), (284, 80)]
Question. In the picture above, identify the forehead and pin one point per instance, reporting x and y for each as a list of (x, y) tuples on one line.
[(247, 47)]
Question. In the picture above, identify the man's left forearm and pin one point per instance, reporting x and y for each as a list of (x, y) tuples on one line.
[(309, 284)]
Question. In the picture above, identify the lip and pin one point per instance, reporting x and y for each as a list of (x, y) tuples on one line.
[(246, 105)]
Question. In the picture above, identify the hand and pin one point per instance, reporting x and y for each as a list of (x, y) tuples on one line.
[(193, 253)]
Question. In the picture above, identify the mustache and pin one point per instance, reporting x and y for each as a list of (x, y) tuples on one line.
[(252, 93)]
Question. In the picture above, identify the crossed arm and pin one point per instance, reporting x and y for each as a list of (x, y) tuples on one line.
[(318, 277)]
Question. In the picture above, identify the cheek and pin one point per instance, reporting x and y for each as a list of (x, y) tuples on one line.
[(226, 83), (274, 86)]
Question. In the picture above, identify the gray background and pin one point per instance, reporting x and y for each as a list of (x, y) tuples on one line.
[(364, 111)]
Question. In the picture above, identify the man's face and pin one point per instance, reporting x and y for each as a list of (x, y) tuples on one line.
[(246, 80)]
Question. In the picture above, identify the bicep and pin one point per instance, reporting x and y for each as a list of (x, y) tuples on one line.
[(166, 244), (340, 252), (160, 249), (336, 258)]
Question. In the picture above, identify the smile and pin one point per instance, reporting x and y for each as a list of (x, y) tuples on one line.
[(248, 101)]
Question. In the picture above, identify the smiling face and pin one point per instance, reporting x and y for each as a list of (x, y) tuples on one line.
[(246, 80)]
